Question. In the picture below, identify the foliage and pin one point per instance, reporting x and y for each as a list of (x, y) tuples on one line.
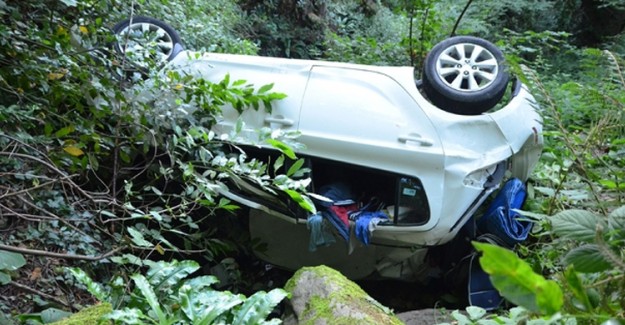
[(583, 120), (47, 316), (580, 93), (487, 18), (517, 282), (517, 315), (589, 282), (208, 25), (165, 295), (108, 164), (596, 250), (96, 161), (9, 261), (292, 29), (359, 36), (398, 35)]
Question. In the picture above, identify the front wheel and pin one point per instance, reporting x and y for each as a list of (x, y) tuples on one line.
[(465, 75)]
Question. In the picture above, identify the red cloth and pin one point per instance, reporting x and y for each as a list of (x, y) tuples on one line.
[(342, 211)]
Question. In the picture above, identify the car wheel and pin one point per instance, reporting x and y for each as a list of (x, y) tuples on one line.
[(465, 75), (145, 40)]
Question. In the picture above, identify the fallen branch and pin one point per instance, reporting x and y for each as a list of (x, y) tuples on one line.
[(42, 294), (36, 252)]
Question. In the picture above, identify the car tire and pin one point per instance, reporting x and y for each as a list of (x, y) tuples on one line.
[(167, 42), (465, 75)]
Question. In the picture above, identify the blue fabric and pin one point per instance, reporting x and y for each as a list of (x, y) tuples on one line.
[(338, 192), (500, 220), (481, 290), (319, 233), (500, 225), (341, 195), (336, 221), (366, 222)]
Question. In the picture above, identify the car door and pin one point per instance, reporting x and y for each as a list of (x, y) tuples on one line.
[(287, 76), (368, 118)]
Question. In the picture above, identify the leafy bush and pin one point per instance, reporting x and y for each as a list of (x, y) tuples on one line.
[(208, 25), (96, 161), (367, 38), (164, 295), (398, 35), (590, 278)]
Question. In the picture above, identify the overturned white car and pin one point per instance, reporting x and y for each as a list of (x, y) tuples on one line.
[(405, 164)]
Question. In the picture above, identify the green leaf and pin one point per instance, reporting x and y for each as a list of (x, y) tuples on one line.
[(587, 259), (5, 278), (93, 287), (295, 167), (265, 88), (148, 293), (475, 313), (239, 126), (616, 220), (278, 163), (284, 148), (164, 275), (277, 96), (137, 238), (52, 315), (302, 201), (204, 306), (64, 131), (127, 259), (517, 282), (156, 215), (461, 318), (612, 185), (47, 129), (201, 282), (258, 306), (578, 225), (577, 288), (131, 316), (11, 261), (226, 80)]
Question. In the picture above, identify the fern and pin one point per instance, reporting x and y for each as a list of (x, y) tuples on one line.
[(193, 301)]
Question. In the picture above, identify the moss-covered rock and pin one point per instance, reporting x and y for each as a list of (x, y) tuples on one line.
[(322, 295), (88, 316)]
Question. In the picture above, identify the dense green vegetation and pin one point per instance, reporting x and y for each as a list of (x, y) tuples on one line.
[(95, 177)]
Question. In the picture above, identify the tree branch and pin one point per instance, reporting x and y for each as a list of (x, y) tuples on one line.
[(42, 294), (453, 31), (36, 252)]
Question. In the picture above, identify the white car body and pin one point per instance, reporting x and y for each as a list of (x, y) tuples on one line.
[(376, 117), (431, 151)]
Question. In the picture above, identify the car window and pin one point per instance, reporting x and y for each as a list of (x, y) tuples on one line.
[(412, 205)]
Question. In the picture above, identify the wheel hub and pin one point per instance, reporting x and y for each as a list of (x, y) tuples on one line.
[(467, 67)]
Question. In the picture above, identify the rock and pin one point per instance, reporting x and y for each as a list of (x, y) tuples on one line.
[(321, 295), (426, 317)]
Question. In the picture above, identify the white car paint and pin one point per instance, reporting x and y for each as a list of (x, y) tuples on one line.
[(376, 117)]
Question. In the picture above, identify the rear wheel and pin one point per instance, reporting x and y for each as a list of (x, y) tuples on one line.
[(465, 75), (145, 41)]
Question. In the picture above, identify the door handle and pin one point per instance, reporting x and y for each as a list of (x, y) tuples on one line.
[(413, 137), (279, 120)]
